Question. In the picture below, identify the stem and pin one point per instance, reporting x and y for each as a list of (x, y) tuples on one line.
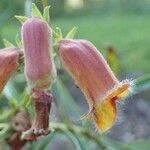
[(45, 3), (28, 7)]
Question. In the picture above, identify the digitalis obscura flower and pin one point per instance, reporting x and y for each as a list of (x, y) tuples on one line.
[(94, 77)]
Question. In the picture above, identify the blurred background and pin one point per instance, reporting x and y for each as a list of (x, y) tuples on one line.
[(121, 31)]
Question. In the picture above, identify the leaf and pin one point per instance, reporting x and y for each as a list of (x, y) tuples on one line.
[(113, 145), (46, 141), (18, 41), (58, 30), (7, 115), (71, 33), (142, 145), (5, 132), (80, 141), (63, 129), (21, 19), (113, 61), (36, 12), (10, 92), (46, 14), (74, 140), (13, 103), (7, 43), (142, 83), (66, 102), (25, 98), (57, 34)]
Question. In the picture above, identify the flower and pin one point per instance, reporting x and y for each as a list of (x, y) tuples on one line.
[(40, 72), (9, 63), (94, 77), (39, 66)]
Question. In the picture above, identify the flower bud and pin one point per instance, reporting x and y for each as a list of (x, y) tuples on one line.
[(39, 66), (95, 79), (9, 63)]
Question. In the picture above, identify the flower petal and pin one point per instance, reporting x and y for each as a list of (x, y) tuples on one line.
[(105, 115)]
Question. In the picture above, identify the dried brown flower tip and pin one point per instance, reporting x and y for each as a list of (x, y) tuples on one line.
[(20, 123), (42, 102)]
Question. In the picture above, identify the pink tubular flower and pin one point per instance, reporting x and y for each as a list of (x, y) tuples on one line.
[(9, 63), (95, 79), (40, 72), (39, 68)]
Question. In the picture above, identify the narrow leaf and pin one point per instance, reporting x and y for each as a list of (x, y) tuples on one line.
[(21, 19), (46, 14), (74, 140), (7, 43), (10, 92), (112, 58), (35, 11), (141, 145), (5, 132), (71, 33), (142, 83), (66, 101), (55, 34), (46, 141), (18, 41), (58, 35)]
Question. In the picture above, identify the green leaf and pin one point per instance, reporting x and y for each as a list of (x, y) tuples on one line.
[(46, 141), (25, 98), (74, 140), (71, 33), (5, 116), (10, 92), (58, 30), (142, 83), (7, 43), (18, 41), (13, 103), (46, 14), (21, 19), (4, 132), (112, 145), (142, 145), (65, 100), (63, 129), (112, 59), (36, 12), (57, 35), (80, 141)]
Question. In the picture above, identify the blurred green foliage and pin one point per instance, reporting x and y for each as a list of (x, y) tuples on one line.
[(124, 24)]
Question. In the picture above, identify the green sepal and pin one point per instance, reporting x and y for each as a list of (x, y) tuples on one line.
[(36, 12), (21, 19), (18, 41), (57, 34), (7, 43), (46, 14), (13, 103), (71, 33)]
